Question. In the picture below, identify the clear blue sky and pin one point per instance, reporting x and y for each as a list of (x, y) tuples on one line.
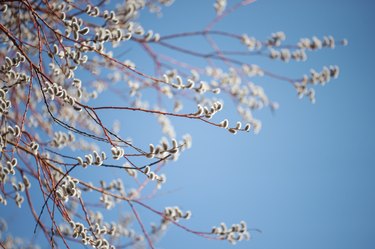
[(307, 180)]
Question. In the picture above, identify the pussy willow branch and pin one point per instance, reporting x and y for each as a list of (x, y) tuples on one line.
[(100, 190)]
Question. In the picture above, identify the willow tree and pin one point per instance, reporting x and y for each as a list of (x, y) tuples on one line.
[(59, 58)]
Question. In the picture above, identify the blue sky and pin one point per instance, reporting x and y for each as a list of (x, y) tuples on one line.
[(307, 180)]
